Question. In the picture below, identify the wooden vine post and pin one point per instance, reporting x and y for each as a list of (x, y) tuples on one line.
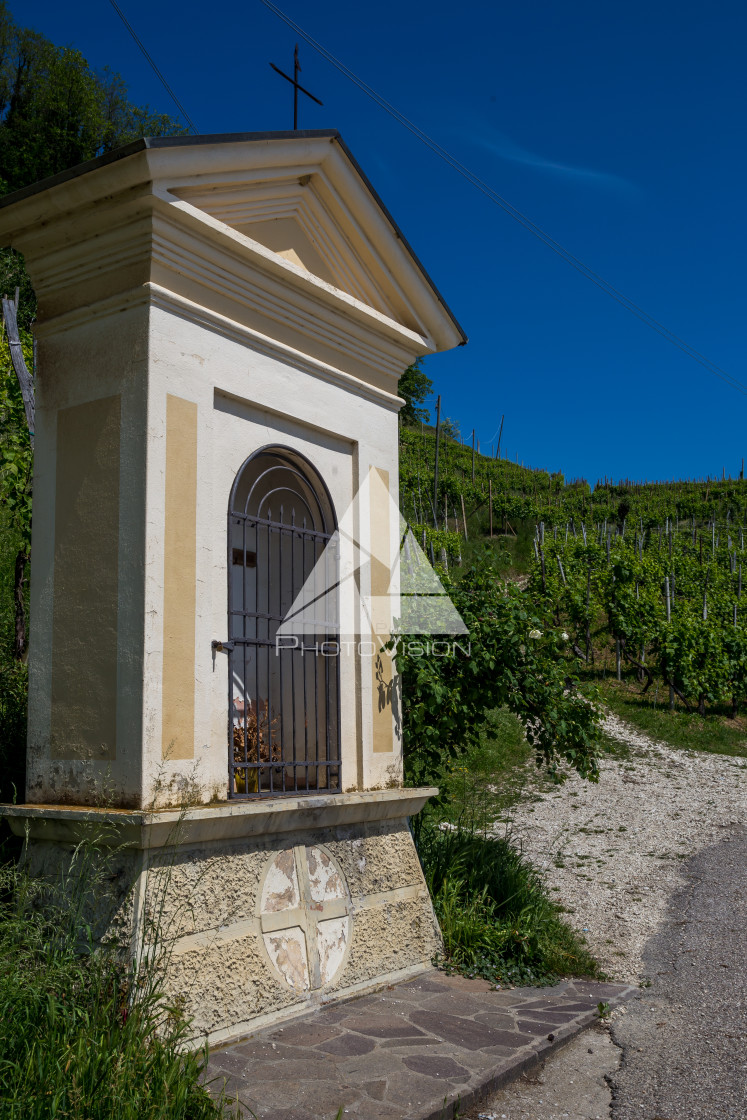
[(669, 619), (26, 383), (435, 470), (500, 433)]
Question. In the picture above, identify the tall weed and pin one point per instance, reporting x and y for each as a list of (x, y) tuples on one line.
[(84, 1035), (496, 916), (13, 674)]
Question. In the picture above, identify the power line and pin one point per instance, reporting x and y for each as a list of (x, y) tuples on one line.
[(156, 71), (511, 210)]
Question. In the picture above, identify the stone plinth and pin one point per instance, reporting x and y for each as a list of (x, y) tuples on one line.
[(263, 909)]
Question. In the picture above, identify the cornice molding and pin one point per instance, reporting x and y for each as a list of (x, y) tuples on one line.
[(232, 820), (330, 199), (298, 284), (196, 313), (153, 295), (364, 336)]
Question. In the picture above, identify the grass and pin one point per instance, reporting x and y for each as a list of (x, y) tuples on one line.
[(82, 1035), (482, 786), (715, 733), (497, 918)]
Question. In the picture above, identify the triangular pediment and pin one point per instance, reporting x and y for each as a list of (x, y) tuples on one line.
[(303, 199), (292, 218), (275, 219)]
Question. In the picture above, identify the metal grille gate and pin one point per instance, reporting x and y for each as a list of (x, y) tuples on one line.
[(284, 687)]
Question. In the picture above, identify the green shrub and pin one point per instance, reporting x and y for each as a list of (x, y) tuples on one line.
[(513, 656), (496, 917), (82, 1035)]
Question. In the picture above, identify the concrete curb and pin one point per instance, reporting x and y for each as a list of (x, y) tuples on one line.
[(452, 1109)]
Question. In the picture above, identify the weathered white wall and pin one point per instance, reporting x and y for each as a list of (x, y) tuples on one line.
[(246, 401), (81, 361)]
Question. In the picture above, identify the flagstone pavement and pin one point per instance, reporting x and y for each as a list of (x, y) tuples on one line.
[(416, 1051)]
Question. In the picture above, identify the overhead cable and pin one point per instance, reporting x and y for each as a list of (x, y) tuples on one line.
[(155, 69), (510, 209)]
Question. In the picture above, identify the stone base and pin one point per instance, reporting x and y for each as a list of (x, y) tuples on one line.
[(261, 909)]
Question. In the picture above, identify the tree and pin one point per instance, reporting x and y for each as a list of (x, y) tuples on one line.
[(514, 655), (414, 387), (55, 111)]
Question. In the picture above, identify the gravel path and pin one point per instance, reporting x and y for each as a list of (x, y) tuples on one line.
[(612, 852), (676, 1051), (651, 862)]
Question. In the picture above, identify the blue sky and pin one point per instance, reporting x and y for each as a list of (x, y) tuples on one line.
[(619, 129)]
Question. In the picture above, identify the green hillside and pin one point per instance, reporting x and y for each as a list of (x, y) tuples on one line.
[(521, 498)]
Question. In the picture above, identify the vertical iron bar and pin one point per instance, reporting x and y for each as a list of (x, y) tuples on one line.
[(328, 627), (303, 666), (257, 624), (292, 658), (338, 751), (278, 655), (267, 653), (317, 654), (244, 690), (326, 665)]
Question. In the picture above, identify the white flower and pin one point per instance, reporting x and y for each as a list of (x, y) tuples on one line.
[(535, 633), (564, 636)]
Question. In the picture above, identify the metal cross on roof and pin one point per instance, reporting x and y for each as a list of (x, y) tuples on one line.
[(296, 86)]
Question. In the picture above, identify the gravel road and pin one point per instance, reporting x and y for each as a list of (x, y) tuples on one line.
[(612, 852), (651, 864)]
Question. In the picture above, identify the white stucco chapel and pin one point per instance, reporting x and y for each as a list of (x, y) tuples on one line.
[(222, 324)]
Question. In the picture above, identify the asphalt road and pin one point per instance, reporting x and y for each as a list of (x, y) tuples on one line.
[(681, 1046), (684, 1042)]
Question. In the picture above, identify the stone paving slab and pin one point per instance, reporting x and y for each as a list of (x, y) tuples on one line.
[(415, 1051)]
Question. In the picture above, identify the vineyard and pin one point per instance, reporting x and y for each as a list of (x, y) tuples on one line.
[(669, 601), (524, 494), (643, 578)]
